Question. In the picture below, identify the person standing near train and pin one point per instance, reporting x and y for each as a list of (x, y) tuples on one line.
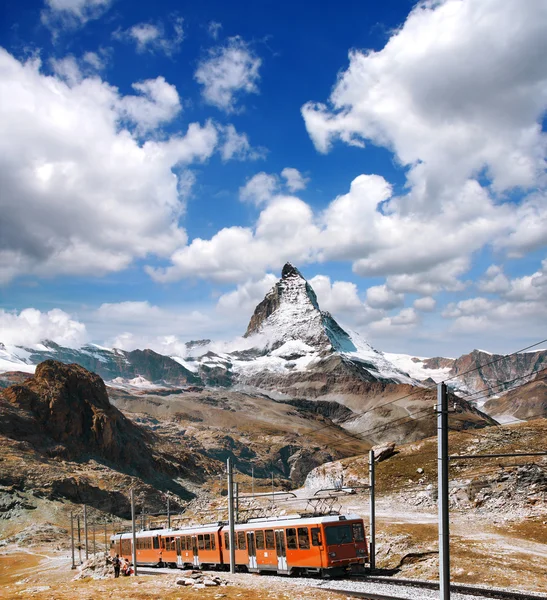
[(116, 563)]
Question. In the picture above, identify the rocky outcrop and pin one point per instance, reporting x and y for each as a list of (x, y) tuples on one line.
[(71, 407), (529, 401)]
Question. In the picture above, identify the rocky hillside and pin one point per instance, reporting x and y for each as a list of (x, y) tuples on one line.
[(62, 438), (529, 401), (490, 373)]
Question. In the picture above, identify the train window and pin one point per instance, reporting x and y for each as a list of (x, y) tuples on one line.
[(341, 534), (303, 538), (270, 540), (156, 543), (358, 532), (207, 541), (227, 540), (315, 536), (213, 543), (259, 536), (241, 543), (201, 543), (291, 538)]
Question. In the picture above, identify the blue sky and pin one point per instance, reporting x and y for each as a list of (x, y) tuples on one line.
[(161, 161)]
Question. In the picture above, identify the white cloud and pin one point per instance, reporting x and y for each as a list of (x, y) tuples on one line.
[(259, 189), (237, 146), (425, 304), (98, 197), (157, 103), (71, 14), (95, 60), (380, 296), (152, 37), (405, 320), (295, 180), (139, 324), (31, 326), (494, 281), (449, 95), (228, 72), (284, 231), (520, 305), (243, 300), (214, 28)]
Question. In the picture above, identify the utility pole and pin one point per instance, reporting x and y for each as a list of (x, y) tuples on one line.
[(134, 535), (85, 532), (253, 480), (442, 470), (79, 542), (372, 534), (237, 501), (72, 539), (231, 524), (168, 515)]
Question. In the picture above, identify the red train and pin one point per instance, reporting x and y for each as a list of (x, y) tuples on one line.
[(328, 545)]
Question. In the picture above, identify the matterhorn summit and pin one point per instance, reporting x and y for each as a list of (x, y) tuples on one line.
[(290, 313), (289, 335)]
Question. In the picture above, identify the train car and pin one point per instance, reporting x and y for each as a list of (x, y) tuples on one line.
[(197, 547), (328, 545), (148, 547)]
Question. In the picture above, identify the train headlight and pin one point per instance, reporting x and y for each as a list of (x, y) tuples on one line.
[(361, 551), (332, 554)]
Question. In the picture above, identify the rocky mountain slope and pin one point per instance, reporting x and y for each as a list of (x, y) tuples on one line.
[(490, 373), (528, 401), (62, 438)]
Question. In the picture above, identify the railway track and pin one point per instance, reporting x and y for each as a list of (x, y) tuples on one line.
[(405, 589), (477, 591)]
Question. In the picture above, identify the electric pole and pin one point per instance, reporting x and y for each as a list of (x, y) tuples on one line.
[(134, 535), (372, 534), (85, 532), (442, 470), (231, 524), (72, 539)]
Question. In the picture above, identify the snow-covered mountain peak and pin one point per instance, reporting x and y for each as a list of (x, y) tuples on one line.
[(290, 311)]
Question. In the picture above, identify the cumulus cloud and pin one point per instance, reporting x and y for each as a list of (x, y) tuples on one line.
[(214, 28), (237, 146), (140, 324), (405, 320), (70, 157), (449, 96), (152, 37), (71, 14), (380, 296), (228, 72), (246, 296), (516, 309), (30, 326), (425, 304), (295, 181), (259, 189)]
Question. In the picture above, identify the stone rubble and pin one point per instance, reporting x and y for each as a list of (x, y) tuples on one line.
[(200, 580)]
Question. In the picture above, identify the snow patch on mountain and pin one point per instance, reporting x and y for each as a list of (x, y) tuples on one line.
[(414, 366)]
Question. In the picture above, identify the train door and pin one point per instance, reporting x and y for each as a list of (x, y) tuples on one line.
[(195, 550), (178, 548), (251, 547), (281, 550)]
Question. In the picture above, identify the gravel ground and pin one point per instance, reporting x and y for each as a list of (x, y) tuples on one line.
[(266, 581)]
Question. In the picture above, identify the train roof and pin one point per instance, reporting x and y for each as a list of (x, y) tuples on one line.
[(265, 523), (295, 521)]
